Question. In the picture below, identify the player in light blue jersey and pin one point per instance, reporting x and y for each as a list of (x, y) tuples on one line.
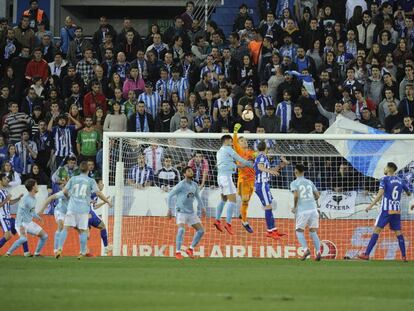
[(226, 168), (95, 221), (79, 189), (390, 191), (185, 192), (262, 187), (7, 223), (59, 213), (24, 220), (305, 195)]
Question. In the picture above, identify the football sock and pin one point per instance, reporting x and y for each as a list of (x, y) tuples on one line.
[(17, 244), (219, 209), (62, 238), (270, 220), (56, 240), (25, 247), (301, 238), (179, 238), (401, 243), (197, 237), (2, 241), (104, 237), (371, 243), (243, 211), (230, 208), (315, 240), (41, 243), (83, 238)]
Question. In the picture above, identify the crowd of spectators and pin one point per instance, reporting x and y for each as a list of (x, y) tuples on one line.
[(59, 96)]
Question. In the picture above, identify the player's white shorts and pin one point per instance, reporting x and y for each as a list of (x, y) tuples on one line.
[(79, 221), (226, 184), (310, 219), (188, 219), (30, 227), (59, 216)]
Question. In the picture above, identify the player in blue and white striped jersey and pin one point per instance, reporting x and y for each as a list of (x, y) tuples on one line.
[(185, 192), (7, 223), (151, 99), (305, 195), (262, 187), (24, 220), (96, 221), (390, 191), (262, 101), (178, 85)]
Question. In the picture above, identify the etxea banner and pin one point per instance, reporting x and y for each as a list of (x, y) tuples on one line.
[(334, 202)]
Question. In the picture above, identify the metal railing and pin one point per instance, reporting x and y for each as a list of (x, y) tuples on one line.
[(204, 8)]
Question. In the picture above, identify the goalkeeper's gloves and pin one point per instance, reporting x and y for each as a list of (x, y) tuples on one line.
[(237, 127)]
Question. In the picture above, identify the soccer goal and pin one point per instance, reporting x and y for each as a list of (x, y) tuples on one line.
[(140, 168)]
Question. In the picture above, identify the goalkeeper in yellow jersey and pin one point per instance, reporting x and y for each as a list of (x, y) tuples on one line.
[(246, 175)]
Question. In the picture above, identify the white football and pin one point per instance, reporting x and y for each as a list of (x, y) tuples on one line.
[(247, 115)]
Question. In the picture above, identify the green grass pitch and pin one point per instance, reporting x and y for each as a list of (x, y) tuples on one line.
[(121, 283)]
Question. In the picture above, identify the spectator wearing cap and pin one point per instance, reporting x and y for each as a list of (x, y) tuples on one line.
[(133, 83), (269, 121), (93, 100), (63, 136), (177, 84), (26, 149), (163, 118), (368, 119), (36, 15), (37, 67), (362, 102), (15, 122), (24, 35), (141, 121), (151, 99)]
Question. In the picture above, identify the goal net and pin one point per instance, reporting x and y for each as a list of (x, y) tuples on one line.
[(141, 168)]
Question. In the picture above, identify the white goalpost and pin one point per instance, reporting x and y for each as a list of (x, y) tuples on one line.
[(345, 168)]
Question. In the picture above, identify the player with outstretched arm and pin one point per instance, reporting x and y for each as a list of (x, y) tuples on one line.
[(305, 195), (185, 191), (390, 191), (226, 168), (262, 187), (79, 189)]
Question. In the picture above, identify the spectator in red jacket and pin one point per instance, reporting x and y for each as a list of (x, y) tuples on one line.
[(37, 67), (93, 100)]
